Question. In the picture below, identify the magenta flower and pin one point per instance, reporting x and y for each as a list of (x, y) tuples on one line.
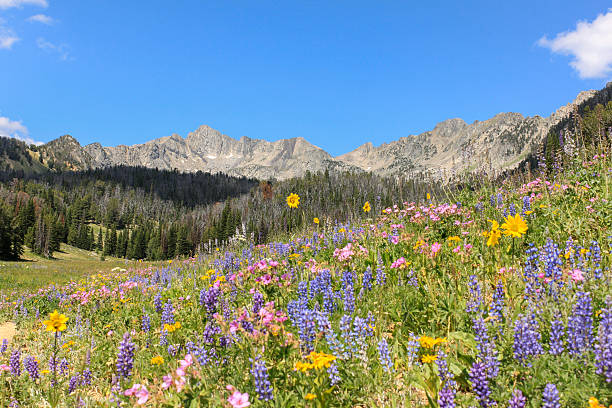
[(238, 400), (167, 381), (398, 263), (435, 248), (576, 275), (186, 362), (140, 392)]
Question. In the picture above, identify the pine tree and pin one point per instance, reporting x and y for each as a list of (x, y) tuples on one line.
[(6, 235), (171, 242), (99, 242)]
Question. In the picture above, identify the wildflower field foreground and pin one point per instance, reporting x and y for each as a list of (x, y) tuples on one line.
[(500, 297)]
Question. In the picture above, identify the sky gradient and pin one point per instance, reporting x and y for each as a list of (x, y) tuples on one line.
[(337, 73)]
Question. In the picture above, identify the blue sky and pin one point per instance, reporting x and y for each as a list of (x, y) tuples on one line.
[(338, 73)]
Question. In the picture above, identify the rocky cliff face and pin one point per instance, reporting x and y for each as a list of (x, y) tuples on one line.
[(452, 146), (207, 149)]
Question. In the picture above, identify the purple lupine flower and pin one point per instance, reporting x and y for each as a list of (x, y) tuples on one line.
[(53, 363), (526, 338), (329, 304), (381, 276), (336, 347), (500, 200), (412, 279), (4, 346), (412, 349), (358, 345), (306, 329), (550, 257), (15, 363), (517, 400), (168, 313), (86, 377), (125, 357), (596, 257), (157, 302), (446, 395), (384, 355), (225, 341), (75, 380), (580, 325), (366, 282), (349, 292), (556, 337), (486, 348), (31, 365), (262, 380), (603, 348), (475, 303), (173, 349), (480, 384), (63, 366), (303, 293), (258, 302), (210, 330), (550, 397), (512, 209), (497, 304), (163, 338), (146, 323), (209, 299), (334, 375), (526, 204), (247, 325)]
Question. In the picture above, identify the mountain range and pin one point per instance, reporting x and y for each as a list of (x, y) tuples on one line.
[(453, 146)]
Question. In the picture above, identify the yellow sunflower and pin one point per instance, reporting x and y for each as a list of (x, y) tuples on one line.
[(514, 226), (56, 322), (293, 200)]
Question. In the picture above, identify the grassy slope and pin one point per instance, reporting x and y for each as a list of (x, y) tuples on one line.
[(71, 263)]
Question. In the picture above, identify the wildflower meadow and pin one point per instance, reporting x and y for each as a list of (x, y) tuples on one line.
[(498, 296)]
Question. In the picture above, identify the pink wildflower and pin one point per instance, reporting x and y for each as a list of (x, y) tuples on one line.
[(576, 275), (239, 400), (140, 392), (186, 362), (167, 381), (435, 248)]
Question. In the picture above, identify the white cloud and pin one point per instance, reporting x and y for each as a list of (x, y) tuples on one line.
[(41, 18), (5, 4), (7, 36), (590, 44), (61, 49), (7, 39), (15, 129)]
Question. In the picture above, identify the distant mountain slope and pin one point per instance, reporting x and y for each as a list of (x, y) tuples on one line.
[(207, 149), (453, 146), (15, 155)]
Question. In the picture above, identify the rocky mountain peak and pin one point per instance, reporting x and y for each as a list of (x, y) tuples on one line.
[(452, 146)]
